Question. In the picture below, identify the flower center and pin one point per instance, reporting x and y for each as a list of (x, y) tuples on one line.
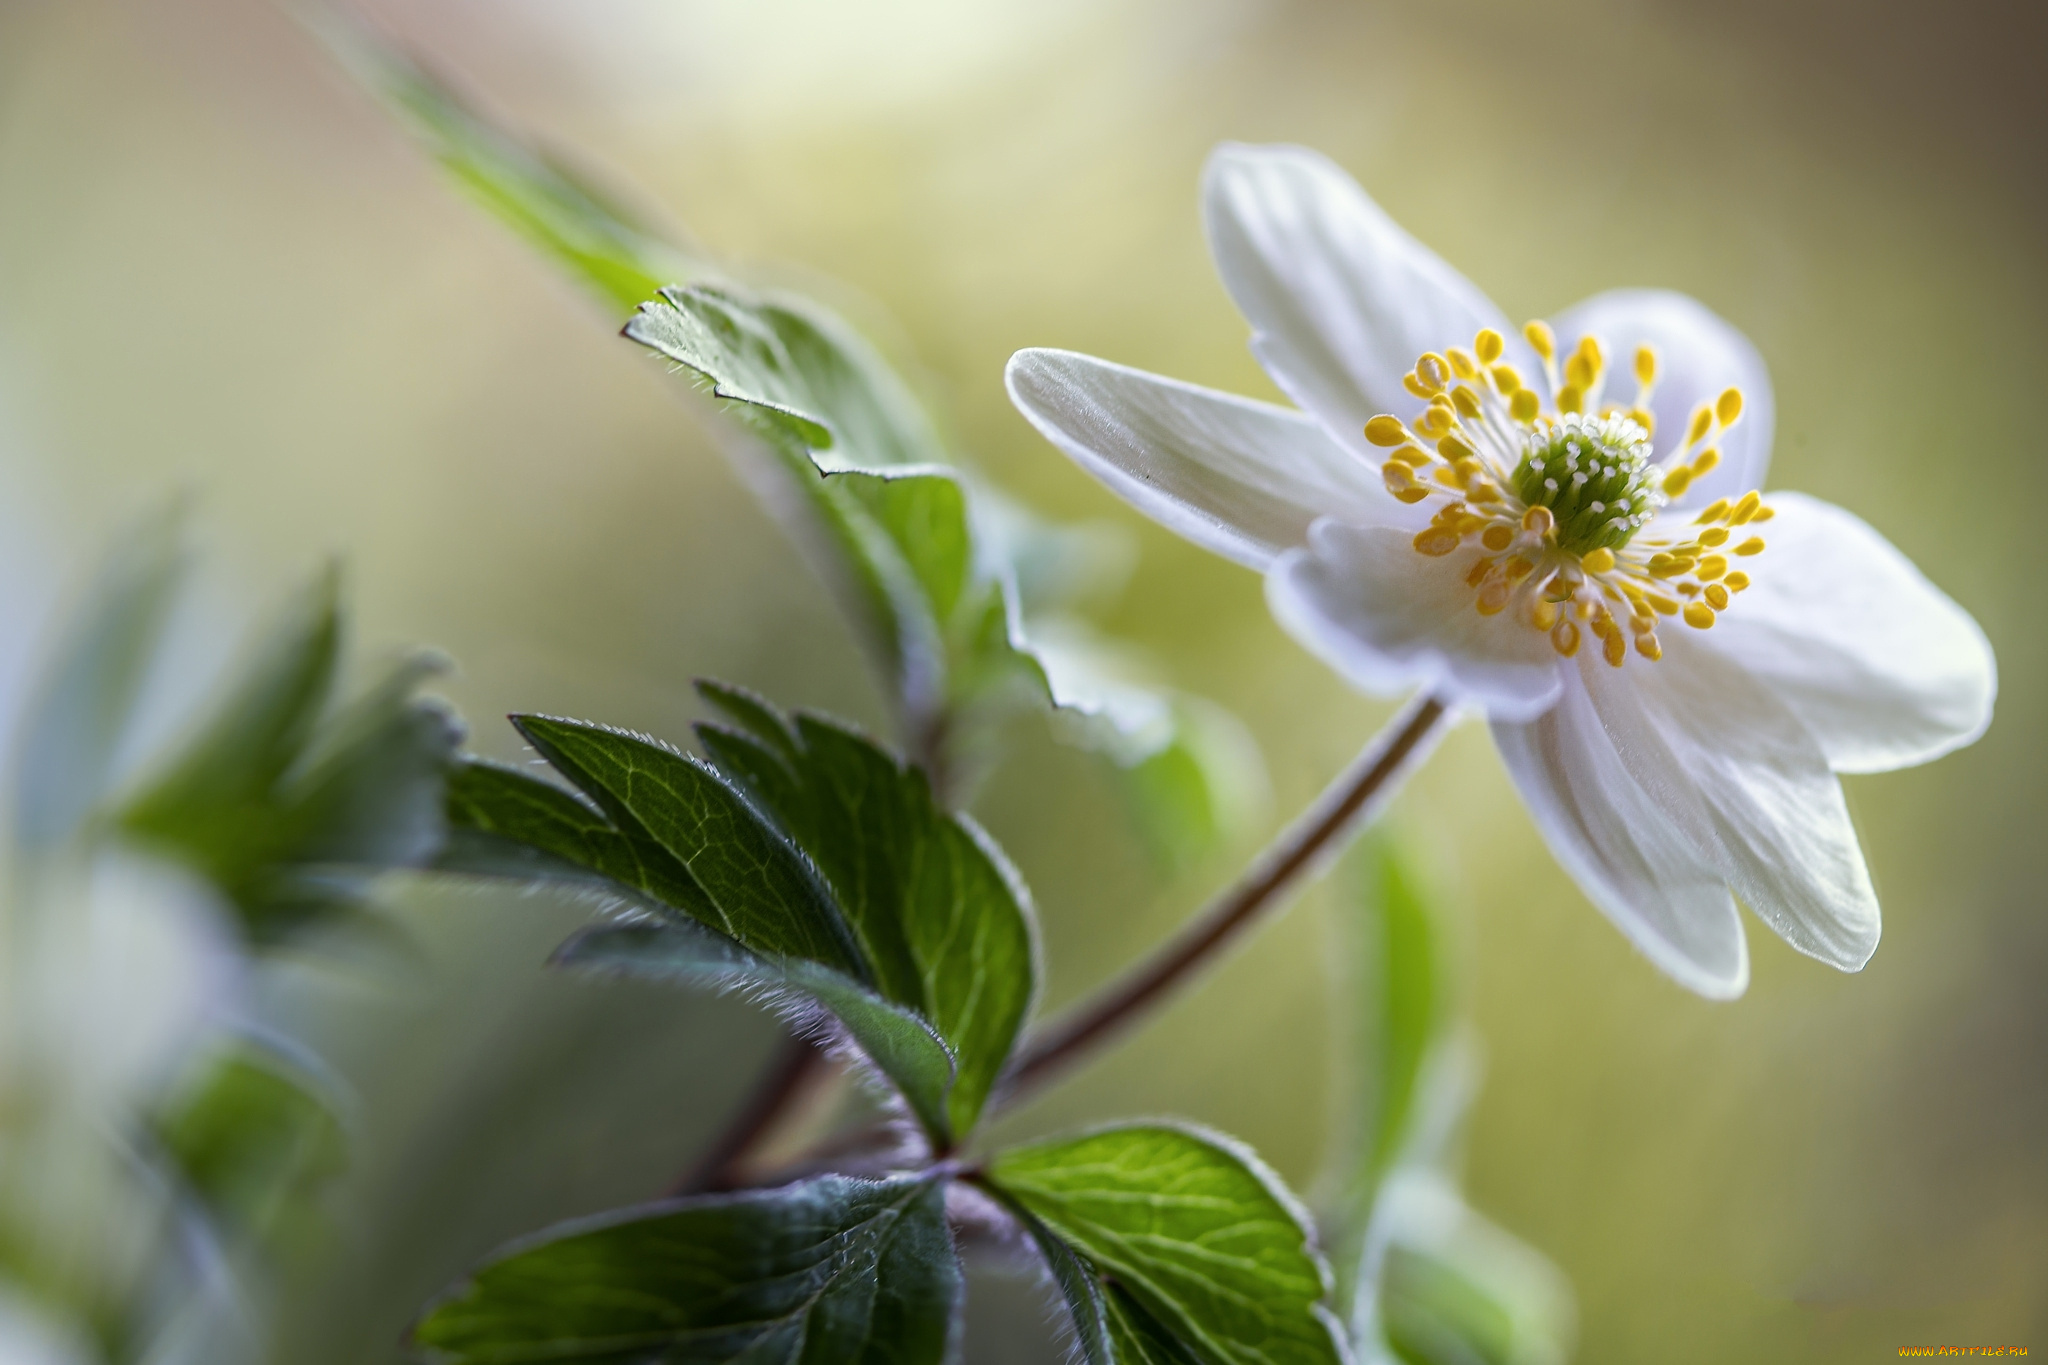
[(1558, 511), (1595, 476)]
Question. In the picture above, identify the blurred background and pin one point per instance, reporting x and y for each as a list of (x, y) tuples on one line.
[(223, 267)]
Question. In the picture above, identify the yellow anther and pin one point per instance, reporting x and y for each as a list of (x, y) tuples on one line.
[(1589, 347), (1711, 568), (1488, 345), (1539, 520), (1647, 646), (1412, 495), (1645, 419), (1745, 509), (1449, 513), (1728, 407), (1397, 476), (1646, 366), (1543, 615), (1448, 477), (1600, 561), (1524, 405), (1615, 648), (1483, 491), (1506, 378), (1699, 615), (1764, 514), (1434, 421), (1570, 398), (1705, 461), (1433, 370), (1413, 385), (1436, 542), (1480, 573), (1715, 511), (1702, 422), (1467, 523), (1517, 568), (1409, 455), (1585, 607), (1468, 464), (1736, 581), (1717, 597), (1578, 371), (1564, 638), (1455, 448), (1497, 538), (1493, 597), (1385, 431), (1462, 364), (1677, 481), (1662, 605), (1712, 536), (1542, 338), (1465, 401), (1753, 546)]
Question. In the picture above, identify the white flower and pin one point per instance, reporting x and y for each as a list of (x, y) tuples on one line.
[(1479, 510)]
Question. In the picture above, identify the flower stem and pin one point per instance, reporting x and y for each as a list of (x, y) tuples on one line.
[(720, 1166), (1320, 830)]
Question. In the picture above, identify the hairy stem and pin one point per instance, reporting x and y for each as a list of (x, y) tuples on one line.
[(1300, 849), (720, 1166)]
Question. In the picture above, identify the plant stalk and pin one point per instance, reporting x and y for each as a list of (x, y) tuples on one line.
[(1318, 832)]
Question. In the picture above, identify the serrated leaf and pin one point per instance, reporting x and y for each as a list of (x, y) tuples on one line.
[(255, 1140), (289, 806), (72, 729), (902, 1044), (831, 1271), (1198, 1234), (554, 207), (940, 914), (757, 888)]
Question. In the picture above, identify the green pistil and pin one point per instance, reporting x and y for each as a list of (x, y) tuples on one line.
[(1595, 477)]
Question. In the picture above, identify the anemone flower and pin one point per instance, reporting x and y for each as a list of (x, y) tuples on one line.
[(1562, 527)]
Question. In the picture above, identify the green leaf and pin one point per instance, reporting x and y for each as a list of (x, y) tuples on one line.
[(289, 806), (72, 730), (755, 887), (1199, 1235), (899, 1042), (831, 1271), (554, 207), (256, 1141), (940, 913)]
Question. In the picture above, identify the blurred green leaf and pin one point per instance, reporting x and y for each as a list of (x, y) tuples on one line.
[(1199, 1235), (72, 730), (552, 206), (821, 864), (832, 1270), (940, 912), (288, 805), (256, 1142)]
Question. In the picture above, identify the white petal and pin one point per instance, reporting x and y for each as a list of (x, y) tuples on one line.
[(1738, 774), (1621, 848), (1341, 300), (1364, 601), (1698, 355), (1882, 667), (1239, 477)]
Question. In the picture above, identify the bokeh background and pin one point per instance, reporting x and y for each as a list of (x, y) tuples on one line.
[(223, 267)]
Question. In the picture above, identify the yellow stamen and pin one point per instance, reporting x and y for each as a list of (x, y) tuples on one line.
[(1466, 401), (1647, 646), (1711, 568), (1413, 385), (1702, 422), (1600, 561), (1506, 379), (1488, 345), (1713, 536), (1571, 398), (1699, 615), (1539, 520), (1677, 481), (1493, 597), (1542, 338), (1717, 597), (1736, 581), (1705, 461), (1497, 538), (1524, 405), (1543, 615), (1753, 546), (1565, 638), (1715, 511), (1746, 508), (1434, 371), (1455, 448), (1615, 647), (1646, 366), (1436, 542), (1385, 431), (1462, 364), (1728, 407)]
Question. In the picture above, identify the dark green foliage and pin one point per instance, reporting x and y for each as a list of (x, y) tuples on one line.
[(1194, 1246), (801, 857), (831, 1271)]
